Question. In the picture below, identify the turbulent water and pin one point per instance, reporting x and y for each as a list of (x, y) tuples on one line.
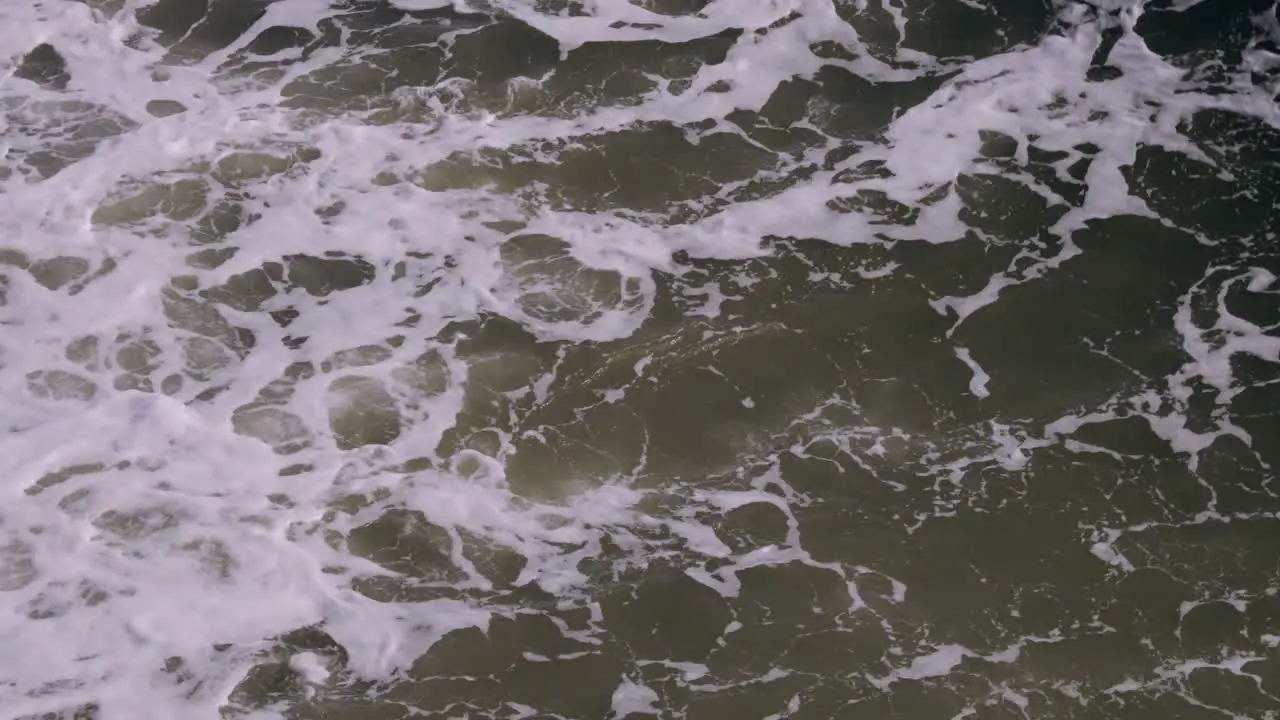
[(741, 359)]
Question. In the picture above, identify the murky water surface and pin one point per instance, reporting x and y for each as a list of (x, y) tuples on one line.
[(727, 359)]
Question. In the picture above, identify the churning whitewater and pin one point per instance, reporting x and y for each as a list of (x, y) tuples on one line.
[(702, 359)]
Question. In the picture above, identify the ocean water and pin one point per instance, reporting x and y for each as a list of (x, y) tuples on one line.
[(741, 359)]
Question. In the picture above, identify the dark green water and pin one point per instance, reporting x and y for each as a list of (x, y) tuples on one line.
[(800, 369)]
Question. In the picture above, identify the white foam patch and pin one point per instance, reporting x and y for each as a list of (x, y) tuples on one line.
[(939, 662), (978, 385), (631, 697), (310, 667)]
